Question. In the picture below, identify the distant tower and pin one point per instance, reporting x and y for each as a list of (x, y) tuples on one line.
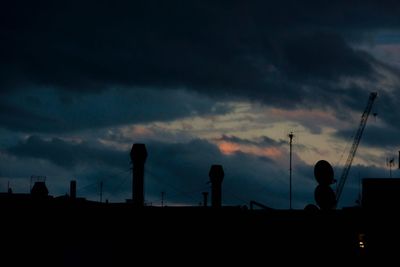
[(216, 176), (138, 157), (291, 135)]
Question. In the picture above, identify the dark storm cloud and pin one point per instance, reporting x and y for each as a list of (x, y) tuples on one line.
[(375, 136), (258, 50), (68, 154), (324, 56), (52, 111), (15, 117), (382, 129)]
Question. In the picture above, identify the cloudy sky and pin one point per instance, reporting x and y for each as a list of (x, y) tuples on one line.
[(200, 83)]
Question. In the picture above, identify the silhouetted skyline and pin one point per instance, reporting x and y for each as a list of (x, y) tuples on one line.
[(70, 230), (200, 83)]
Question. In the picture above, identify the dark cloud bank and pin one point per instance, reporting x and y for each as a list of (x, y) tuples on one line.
[(282, 53)]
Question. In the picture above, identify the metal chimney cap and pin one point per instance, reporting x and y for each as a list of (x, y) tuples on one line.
[(216, 174), (138, 153)]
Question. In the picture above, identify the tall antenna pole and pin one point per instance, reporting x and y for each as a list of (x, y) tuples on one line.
[(101, 191), (359, 189), (162, 198), (291, 135)]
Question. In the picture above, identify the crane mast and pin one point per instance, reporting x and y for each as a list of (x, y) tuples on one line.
[(354, 147)]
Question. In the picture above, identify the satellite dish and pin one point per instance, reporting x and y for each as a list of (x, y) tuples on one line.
[(323, 173), (311, 208), (325, 197)]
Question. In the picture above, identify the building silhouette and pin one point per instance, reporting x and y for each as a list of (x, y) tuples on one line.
[(39, 228)]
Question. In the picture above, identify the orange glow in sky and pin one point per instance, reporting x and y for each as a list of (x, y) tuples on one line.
[(229, 148)]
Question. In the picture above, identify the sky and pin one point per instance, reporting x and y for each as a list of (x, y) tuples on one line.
[(200, 83)]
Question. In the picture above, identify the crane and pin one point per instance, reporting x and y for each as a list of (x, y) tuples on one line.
[(354, 147)]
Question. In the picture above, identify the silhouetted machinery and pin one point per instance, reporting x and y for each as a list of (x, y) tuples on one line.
[(216, 175), (325, 197), (354, 147), (323, 194), (138, 158)]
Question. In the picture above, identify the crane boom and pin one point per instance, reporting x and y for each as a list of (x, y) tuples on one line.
[(354, 147)]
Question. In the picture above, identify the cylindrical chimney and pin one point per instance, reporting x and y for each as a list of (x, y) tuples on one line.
[(138, 157), (205, 198), (216, 176), (72, 189)]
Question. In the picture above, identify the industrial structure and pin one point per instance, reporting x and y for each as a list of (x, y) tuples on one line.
[(354, 146), (216, 177), (138, 158)]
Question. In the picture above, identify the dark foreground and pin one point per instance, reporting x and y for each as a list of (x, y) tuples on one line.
[(72, 234)]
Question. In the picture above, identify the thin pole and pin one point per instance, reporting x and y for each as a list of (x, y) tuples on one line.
[(290, 169), (359, 189), (101, 191), (162, 198)]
